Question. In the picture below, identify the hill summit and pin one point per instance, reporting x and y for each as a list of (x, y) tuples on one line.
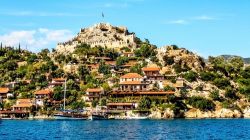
[(101, 34)]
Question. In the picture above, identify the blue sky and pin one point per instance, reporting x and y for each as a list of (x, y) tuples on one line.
[(207, 27)]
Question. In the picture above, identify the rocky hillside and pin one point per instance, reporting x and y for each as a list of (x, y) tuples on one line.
[(102, 34), (228, 57), (172, 55)]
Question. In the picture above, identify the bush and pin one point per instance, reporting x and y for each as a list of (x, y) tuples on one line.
[(230, 93), (215, 95), (178, 68), (145, 103), (222, 83), (78, 105), (169, 88), (168, 60), (190, 76), (201, 103), (207, 76)]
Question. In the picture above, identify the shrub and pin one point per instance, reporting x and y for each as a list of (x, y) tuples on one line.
[(168, 60), (190, 76), (145, 103), (230, 93), (207, 76), (201, 103), (222, 83), (169, 88), (215, 95)]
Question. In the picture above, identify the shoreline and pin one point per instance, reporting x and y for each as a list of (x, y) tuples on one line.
[(32, 119)]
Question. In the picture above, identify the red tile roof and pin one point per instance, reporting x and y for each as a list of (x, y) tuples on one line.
[(43, 92), (131, 75), (4, 90), (23, 103), (151, 69), (94, 90), (58, 79)]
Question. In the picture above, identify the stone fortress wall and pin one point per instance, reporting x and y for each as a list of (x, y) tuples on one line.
[(102, 34)]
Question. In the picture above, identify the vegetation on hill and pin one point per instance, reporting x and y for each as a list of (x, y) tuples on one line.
[(196, 84)]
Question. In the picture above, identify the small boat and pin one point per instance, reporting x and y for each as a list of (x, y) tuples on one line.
[(71, 116), (98, 117)]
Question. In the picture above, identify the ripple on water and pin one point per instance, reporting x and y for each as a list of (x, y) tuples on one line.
[(126, 129)]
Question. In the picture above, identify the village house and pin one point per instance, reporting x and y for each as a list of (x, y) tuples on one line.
[(153, 73), (93, 94), (24, 105), (121, 106), (41, 95), (134, 85), (4, 93), (57, 82), (126, 67), (132, 82)]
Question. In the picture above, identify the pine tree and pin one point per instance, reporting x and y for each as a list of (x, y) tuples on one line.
[(19, 48)]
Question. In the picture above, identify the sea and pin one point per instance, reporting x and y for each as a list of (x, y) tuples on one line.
[(175, 129)]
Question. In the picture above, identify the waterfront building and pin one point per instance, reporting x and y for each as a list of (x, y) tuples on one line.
[(24, 105), (121, 106), (93, 94), (4, 93), (41, 96)]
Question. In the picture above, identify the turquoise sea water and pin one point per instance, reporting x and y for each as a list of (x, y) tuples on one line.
[(126, 129)]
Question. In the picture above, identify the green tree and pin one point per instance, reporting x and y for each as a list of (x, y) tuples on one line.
[(121, 60), (82, 71), (103, 102), (78, 105), (201, 103), (191, 76), (146, 50), (222, 83), (207, 76), (230, 93), (94, 103), (137, 68), (168, 60), (31, 58), (145, 103), (103, 68)]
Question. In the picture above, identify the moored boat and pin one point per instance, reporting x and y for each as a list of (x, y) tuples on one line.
[(98, 117)]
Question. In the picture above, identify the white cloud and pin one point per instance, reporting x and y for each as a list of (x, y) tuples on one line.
[(35, 40), (204, 17), (180, 21)]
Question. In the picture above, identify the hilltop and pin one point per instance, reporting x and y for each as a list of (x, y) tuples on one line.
[(228, 57), (164, 82), (102, 34)]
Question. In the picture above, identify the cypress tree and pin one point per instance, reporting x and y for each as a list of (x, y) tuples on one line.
[(19, 48)]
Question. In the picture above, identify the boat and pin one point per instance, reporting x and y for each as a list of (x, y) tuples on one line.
[(98, 117), (69, 114)]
